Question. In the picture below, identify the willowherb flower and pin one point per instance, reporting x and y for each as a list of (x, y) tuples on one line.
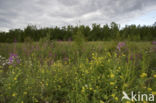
[(120, 45), (13, 59), (154, 42)]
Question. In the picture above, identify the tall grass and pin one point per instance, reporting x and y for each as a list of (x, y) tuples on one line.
[(60, 72)]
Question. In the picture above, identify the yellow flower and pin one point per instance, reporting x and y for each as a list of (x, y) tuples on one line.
[(125, 85), (15, 78), (116, 98), (123, 55), (46, 84), (154, 75), (154, 92), (14, 94), (112, 83), (112, 75), (90, 88), (149, 89), (113, 95), (83, 89), (101, 101), (25, 93), (22, 102), (109, 54), (143, 75)]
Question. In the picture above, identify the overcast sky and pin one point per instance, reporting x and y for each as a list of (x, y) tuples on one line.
[(45, 13)]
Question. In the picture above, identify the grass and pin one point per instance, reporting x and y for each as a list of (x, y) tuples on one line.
[(62, 72)]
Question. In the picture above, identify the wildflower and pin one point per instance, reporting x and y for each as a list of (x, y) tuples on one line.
[(154, 75), (113, 95), (13, 59), (46, 84), (120, 45), (109, 54), (125, 85), (90, 88), (116, 98), (154, 92), (112, 75), (83, 90), (25, 93), (149, 89), (154, 42), (14, 94), (86, 85), (143, 75), (112, 83), (101, 101), (15, 78)]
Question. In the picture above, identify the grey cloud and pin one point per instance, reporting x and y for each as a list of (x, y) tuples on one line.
[(19, 13)]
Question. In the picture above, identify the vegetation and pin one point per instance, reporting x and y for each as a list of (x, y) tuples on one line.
[(78, 64), (94, 33), (75, 72)]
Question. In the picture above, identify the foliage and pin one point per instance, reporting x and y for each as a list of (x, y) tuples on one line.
[(53, 73), (94, 33)]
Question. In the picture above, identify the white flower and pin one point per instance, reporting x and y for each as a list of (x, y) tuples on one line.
[(3, 64), (86, 85)]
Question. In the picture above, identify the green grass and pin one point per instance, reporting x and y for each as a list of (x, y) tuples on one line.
[(62, 72)]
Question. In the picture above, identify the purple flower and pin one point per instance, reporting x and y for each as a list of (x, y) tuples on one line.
[(154, 42), (13, 59), (120, 45)]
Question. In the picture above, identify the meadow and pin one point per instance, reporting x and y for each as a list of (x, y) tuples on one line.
[(77, 72)]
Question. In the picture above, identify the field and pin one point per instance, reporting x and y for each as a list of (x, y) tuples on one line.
[(77, 72)]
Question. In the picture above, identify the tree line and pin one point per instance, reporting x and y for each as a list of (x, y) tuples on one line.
[(96, 32)]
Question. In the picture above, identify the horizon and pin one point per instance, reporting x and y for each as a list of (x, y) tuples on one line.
[(18, 14)]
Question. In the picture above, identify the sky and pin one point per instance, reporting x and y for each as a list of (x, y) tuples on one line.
[(49, 13)]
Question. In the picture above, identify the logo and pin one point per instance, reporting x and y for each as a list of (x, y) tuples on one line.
[(137, 97)]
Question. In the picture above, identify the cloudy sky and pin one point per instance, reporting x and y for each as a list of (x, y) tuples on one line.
[(46, 13)]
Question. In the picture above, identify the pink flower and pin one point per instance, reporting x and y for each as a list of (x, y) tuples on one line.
[(154, 42), (120, 45), (13, 59)]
